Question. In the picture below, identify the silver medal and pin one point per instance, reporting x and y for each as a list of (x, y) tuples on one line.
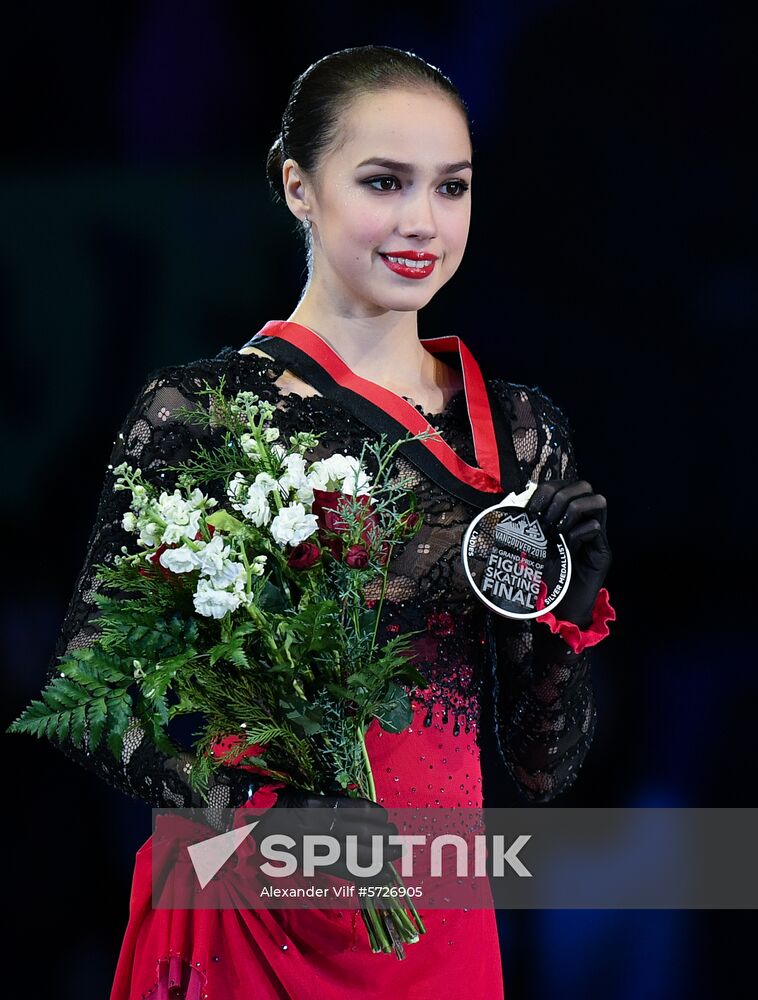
[(510, 557)]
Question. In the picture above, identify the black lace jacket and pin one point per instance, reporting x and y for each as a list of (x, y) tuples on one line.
[(544, 707)]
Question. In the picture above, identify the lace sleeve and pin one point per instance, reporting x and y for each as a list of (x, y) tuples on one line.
[(545, 708), (151, 438)]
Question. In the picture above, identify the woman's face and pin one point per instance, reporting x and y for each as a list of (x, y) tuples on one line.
[(362, 209)]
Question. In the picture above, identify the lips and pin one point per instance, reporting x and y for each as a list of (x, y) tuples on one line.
[(410, 254), (422, 269)]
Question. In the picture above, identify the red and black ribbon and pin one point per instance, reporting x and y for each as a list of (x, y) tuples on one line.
[(315, 361)]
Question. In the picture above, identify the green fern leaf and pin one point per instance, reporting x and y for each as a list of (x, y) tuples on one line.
[(78, 720), (28, 721), (63, 727), (97, 714), (119, 717), (63, 693), (60, 694)]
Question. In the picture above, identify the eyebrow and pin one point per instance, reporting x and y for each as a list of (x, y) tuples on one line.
[(407, 168)]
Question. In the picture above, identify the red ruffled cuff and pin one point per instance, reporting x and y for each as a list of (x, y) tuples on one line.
[(597, 630), (265, 796)]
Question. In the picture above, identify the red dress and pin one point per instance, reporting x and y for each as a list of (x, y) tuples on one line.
[(228, 954)]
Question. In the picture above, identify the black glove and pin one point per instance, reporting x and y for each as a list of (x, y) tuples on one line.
[(337, 815), (580, 516)]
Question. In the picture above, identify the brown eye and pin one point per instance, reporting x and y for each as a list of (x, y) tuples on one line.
[(378, 180), (462, 186)]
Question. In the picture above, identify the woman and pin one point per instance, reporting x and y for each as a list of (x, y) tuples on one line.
[(374, 161)]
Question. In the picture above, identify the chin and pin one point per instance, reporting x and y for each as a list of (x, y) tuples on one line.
[(404, 303)]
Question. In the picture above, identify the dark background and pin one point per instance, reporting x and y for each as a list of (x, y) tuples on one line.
[(612, 262)]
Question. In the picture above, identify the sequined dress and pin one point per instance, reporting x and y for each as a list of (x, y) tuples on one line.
[(545, 713)]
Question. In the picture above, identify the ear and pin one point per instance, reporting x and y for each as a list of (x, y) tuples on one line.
[(295, 192)]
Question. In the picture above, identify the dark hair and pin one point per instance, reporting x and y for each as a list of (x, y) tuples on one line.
[(320, 95)]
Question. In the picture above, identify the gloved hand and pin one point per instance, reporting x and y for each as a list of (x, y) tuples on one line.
[(572, 509), (337, 815)]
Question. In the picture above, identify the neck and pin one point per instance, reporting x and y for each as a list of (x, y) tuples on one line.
[(390, 355)]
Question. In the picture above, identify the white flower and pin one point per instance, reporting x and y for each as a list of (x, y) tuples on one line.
[(172, 506), (237, 488), (198, 498), (356, 482), (214, 603), (257, 566), (328, 473), (129, 521), (181, 560), (256, 508), (271, 434), (149, 534), (341, 472), (295, 478), (250, 499), (292, 525), (249, 445), (279, 450), (139, 498), (173, 533), (304, 494), (211, 557), (180, 515), (232, 574), (267, 482)]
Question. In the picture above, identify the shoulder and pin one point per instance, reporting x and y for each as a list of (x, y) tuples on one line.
[(529, 405), (255, 350), (159, 423), (183, 383), (542, 434)]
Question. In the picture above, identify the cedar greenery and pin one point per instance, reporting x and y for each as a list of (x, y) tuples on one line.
[(295, 673)]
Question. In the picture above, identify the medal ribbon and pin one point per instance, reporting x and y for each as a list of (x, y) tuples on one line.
[(382, 410)]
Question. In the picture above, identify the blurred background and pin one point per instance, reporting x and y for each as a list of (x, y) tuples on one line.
[(611, 261)]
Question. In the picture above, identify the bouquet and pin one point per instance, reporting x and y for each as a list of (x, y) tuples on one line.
[(260, 613)]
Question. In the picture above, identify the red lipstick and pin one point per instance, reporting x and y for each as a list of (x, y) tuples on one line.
[(410, 270)]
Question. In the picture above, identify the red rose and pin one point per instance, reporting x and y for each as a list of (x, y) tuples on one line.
[(325, 503), (370, 522), (304, 555), (409, 520), (328, 519), (327, 506), (357, 557)]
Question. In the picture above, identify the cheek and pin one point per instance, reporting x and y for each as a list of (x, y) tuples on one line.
[(454, 239), (355, 241), (459, 229), (367, 227), (371, 233)]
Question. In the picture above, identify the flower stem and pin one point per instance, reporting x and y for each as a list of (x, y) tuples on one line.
[(367, 764)]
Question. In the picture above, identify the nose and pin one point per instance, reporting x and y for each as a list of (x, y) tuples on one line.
[(418, 219)]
